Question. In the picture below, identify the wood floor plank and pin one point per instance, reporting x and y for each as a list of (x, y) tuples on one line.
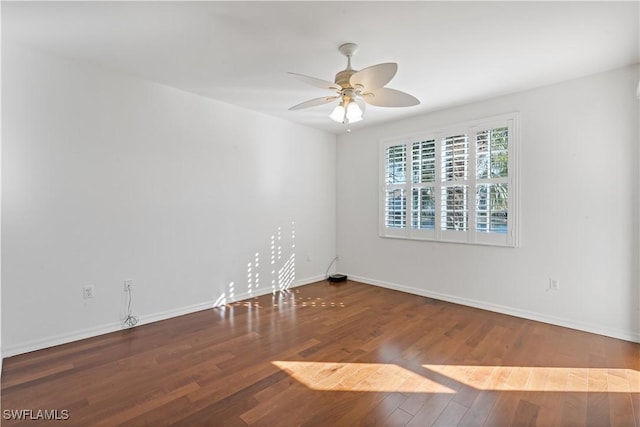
[(382, 412), (430, 410), (574, 410), (451, 415), (146, 406), (398, 418), (343, 355), (526, 414)]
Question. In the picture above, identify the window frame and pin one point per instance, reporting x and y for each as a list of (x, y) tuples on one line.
[(471, 235)]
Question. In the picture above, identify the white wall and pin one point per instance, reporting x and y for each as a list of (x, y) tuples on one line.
[(106, 177), (579, 212)]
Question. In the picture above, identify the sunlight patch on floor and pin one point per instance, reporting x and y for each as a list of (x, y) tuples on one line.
[(385, 377), (529, 378), (372, 377)]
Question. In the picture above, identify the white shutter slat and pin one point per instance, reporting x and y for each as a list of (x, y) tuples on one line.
[(423, 208), (423, 161), (395, 208), (396, 164), (454, 208), (455, 157)]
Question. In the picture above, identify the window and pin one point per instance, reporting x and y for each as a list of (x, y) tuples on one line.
[(454, 185)]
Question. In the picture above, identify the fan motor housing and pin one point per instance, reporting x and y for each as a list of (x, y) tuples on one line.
[(343, 77)]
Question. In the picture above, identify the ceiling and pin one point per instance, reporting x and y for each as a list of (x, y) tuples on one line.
[(448, 53)]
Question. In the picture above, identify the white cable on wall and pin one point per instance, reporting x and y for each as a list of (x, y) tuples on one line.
[(130, 321)]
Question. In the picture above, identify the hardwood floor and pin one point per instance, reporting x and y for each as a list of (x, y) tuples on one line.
[(326, 355)]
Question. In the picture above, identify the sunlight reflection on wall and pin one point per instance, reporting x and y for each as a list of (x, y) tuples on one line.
[(280, 251)]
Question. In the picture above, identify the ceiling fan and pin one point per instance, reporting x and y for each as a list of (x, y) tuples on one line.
[(354, 89)]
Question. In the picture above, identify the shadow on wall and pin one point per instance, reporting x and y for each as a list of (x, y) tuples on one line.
[(280, 272)]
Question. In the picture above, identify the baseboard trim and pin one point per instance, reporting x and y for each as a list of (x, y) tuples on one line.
[(529, 315), (40, 344)]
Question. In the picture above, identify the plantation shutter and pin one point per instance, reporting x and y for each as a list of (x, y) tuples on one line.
[(423, 177), (395, 204), (455, 172), (454, 185)]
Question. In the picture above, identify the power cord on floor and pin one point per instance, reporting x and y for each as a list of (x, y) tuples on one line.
[(130, 321), (326, 274)]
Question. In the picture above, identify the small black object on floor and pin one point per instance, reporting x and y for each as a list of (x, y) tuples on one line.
[(334, 278)]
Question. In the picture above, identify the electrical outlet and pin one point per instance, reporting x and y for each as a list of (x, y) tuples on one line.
[(554, 284), (87, 292), (128, 285)]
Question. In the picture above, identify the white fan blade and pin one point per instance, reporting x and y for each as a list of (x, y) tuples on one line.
[(322, 84), (314, 102), (374, 77), (385, 97)]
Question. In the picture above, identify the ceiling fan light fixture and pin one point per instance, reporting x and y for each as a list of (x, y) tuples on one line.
[(353, 113), (346, 112), (338, 113)]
